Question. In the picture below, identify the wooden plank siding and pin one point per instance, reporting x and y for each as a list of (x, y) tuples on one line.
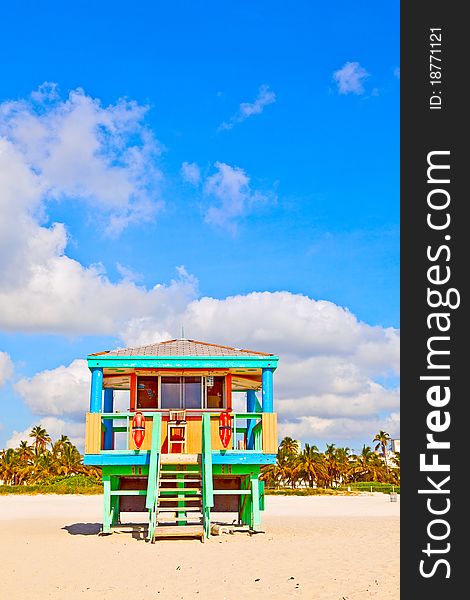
[(269, 425), (194, 436), (93, 433)]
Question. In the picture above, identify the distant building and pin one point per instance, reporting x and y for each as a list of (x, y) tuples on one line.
[(395, 445)]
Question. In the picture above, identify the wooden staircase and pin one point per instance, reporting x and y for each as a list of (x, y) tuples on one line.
[(179, 510)]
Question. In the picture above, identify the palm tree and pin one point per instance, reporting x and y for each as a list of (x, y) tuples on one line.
[(382, 438), (24, 452), (9, 467), (70, 461), (43, 467), (362, 462), (310, 465), (331, 464), (289, 446), (367, 466), (41, 438), (60, 445)]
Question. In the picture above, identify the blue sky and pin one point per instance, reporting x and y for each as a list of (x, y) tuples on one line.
[(287, 122)]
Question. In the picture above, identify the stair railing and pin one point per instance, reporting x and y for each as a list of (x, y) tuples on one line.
[(207, 482), (154, 474)]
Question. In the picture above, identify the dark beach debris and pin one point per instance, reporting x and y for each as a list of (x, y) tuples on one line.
[(258, 579)]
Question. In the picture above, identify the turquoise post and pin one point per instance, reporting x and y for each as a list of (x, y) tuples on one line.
[(267, 382), (108, 407), (250, 424), (96, 392)]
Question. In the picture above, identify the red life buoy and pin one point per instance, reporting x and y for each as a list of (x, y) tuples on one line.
[(225, 428), (138, 429)]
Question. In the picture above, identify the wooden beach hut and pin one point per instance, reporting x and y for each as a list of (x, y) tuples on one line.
[(182, 471)]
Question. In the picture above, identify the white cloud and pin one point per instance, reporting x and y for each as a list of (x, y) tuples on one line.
[(230, 187), (60, 391), (350, 78), (340, 431), (191, 173), (247, 109), (55, 428), (74, 150), (69, 298), (128, 274), (6, 367), (78, 149), (60, 398), (329, 361), (327, 384)]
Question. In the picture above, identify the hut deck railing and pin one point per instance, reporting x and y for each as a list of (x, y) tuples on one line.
[(254, 432)]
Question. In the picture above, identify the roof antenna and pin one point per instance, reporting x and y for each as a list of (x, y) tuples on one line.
[(182, 332)]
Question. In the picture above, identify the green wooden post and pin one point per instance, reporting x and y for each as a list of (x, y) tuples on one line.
[(250, 424), (154, 467), (181, 503), (255, 511), (107, 503), (114, 500), (153, 461), (261, 495), (258, 437), (244, 511)]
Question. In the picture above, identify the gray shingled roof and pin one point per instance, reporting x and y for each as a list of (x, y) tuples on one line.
[(181, 348)]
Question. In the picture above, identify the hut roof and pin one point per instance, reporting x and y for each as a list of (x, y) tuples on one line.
[(181, 347)]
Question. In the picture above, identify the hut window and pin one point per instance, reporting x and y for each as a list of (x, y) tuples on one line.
[(170, 392), (192, 392), (215, 392), (181, 392), (147, 388)]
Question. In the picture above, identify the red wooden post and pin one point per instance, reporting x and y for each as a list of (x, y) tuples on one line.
[(133, 393), (228, 391)]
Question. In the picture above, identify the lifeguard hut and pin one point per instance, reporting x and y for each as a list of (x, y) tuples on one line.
[(198, 455)]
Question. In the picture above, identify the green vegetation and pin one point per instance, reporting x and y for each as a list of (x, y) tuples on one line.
[(65, 484), (44, 467), (372, 486), (310, 471)]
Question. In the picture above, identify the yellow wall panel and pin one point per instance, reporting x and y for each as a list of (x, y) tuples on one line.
[(164, 432), (93, 433), (269, 425), (194, 436)]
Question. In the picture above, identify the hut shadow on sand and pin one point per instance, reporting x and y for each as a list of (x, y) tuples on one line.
[(138, 531)]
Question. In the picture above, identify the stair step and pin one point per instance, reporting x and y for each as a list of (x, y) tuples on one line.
[(180, 489), (180, 459), (194, 520), (167, 509), (186, 480), (179, 472), (191, 498), (179, 531)]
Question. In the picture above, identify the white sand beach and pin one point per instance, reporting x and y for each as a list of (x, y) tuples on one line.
[(317, 548)]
